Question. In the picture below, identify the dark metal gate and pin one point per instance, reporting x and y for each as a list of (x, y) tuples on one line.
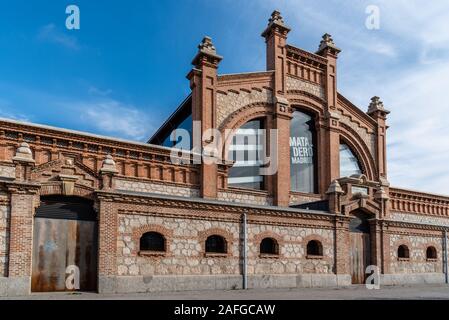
[(65, 239)]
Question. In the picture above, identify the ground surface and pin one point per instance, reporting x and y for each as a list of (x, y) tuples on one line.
[(351, 293)]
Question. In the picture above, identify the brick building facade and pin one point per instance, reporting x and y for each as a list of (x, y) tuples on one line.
[(133, 220)]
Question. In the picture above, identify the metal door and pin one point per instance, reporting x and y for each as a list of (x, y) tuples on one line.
[(65, 235)]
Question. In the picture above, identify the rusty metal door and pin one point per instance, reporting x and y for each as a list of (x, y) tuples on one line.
[(359, 253), (65, 235)]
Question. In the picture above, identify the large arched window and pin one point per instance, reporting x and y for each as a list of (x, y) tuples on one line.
[(302, 153), (247, 152), (349, 164), (152, 241)]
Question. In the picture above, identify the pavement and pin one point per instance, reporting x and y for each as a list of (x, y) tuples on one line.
[(415, 292)]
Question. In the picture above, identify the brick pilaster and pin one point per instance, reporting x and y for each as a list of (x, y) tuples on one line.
[(107, 238), (341, 248), (23, 200)]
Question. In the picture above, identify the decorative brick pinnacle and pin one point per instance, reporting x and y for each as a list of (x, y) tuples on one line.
[(108, 165), (275, 21), (334, 187), (381, 194), (23, 153), (376, 105), (276, 18), (206, 49), (328, 42), (207, 46)]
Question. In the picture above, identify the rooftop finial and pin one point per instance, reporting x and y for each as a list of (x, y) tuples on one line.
[(109, 165), (276, 22), (206, 50), (23, 153), (376, 105), (207, 46), (276, 18), (327, 42)]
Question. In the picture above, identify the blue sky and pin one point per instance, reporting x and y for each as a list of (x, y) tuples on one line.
[(124, 71)]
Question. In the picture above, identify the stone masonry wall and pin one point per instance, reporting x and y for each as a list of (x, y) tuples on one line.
[(185, 253), (368, 138), (159, 188), (231, 101), (417, 246), (7, 171), (292, 257), (298, 84), (184, 249), (5, 212), (419, 218), (245, 197)]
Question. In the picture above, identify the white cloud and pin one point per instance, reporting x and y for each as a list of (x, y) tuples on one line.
[(99, 92), (50, 33), (112, 117), (6, 111)]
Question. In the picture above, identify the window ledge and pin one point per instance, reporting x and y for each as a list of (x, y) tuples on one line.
[(215, 255), (148, 253), (431, 259), (269, 256), (316, 257), (403, 259)]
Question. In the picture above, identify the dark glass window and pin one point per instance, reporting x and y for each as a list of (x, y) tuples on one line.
[(403, 252), (216, 244), (302, 153), (152, 241), (314, 248), (247, 151), (349, 164), (431, 253), (269, 246), (182, 142)]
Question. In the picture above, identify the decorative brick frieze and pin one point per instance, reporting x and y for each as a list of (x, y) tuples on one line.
[(408, 201)]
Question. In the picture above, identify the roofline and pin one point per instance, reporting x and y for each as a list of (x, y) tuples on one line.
[(83, 133), (427, 193), (170, 117), (243, 73)]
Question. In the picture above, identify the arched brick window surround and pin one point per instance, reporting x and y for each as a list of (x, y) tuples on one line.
[(202, 237), (139, 231), (257, 240)]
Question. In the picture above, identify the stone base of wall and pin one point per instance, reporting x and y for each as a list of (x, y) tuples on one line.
[(14, 286), (130, 284), (411, 278)]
